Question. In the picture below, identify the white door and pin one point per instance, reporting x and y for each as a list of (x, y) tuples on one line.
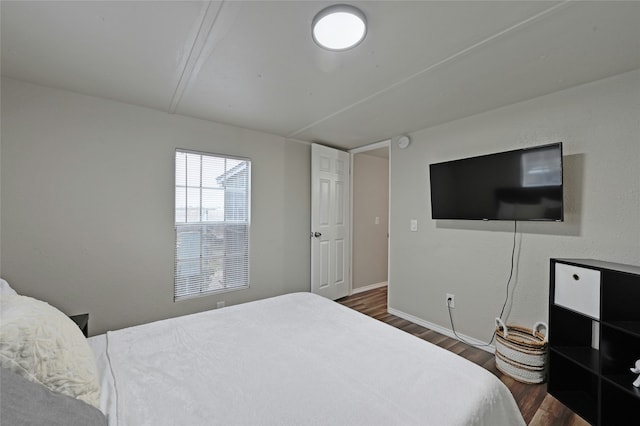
[(330, 252)]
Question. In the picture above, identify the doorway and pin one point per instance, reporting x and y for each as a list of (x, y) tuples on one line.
[(370, 217)]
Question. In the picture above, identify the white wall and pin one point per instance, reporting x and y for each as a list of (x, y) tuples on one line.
[(370, 200), (87, 205), (0, 182), (600, 127)]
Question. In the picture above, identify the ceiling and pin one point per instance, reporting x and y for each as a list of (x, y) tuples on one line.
[(254, 64)]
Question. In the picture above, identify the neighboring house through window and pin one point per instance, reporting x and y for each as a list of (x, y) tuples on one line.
[(212, 216)]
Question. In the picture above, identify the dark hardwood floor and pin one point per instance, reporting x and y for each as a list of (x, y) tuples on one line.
[(538, 408)]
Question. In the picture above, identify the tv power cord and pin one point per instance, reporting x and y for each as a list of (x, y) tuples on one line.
[(506, 299)]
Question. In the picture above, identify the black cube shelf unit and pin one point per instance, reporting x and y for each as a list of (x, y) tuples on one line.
[(594, 339)]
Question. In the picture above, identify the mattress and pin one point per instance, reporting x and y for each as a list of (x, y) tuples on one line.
[(297, 359)]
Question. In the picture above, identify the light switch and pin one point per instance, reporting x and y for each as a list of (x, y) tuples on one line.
[(413, 225)]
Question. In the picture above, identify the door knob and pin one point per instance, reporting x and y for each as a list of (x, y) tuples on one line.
[(317, 234)]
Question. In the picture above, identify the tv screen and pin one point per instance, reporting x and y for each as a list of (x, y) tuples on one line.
[(524, 184)]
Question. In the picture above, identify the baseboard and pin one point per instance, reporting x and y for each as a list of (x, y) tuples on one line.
[(368, 287), (440, 329)]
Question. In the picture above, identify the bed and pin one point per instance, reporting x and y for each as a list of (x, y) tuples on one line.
[(296, 359)]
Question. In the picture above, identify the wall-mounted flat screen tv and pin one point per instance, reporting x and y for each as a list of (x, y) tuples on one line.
[(524, 184)]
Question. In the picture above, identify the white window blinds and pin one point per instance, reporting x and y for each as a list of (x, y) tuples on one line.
[(212, 214)]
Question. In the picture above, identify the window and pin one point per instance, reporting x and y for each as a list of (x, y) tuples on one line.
[(212, 214)]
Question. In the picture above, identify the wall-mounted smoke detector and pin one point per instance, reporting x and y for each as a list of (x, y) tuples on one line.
[(403, 141)]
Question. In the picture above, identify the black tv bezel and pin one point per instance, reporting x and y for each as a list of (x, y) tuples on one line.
[(521, 150)]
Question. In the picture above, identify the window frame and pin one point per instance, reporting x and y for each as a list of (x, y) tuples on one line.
[(201, 226)]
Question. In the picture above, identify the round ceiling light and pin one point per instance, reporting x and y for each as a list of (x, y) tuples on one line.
[(339, 27)]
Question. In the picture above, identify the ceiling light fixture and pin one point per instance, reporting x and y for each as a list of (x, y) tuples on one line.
[(339, 27)]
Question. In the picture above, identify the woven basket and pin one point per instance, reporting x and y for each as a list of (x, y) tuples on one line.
[(521, 352)]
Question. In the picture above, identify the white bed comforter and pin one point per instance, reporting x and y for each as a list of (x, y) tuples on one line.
[(297, 359)]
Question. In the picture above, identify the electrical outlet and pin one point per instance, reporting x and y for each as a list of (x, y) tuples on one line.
[(451, 300), (220, 305)]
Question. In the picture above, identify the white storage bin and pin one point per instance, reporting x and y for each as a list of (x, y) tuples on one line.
[(578, 289)]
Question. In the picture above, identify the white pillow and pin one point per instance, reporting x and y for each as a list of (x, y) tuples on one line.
[(42, 344), (6, 289)]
